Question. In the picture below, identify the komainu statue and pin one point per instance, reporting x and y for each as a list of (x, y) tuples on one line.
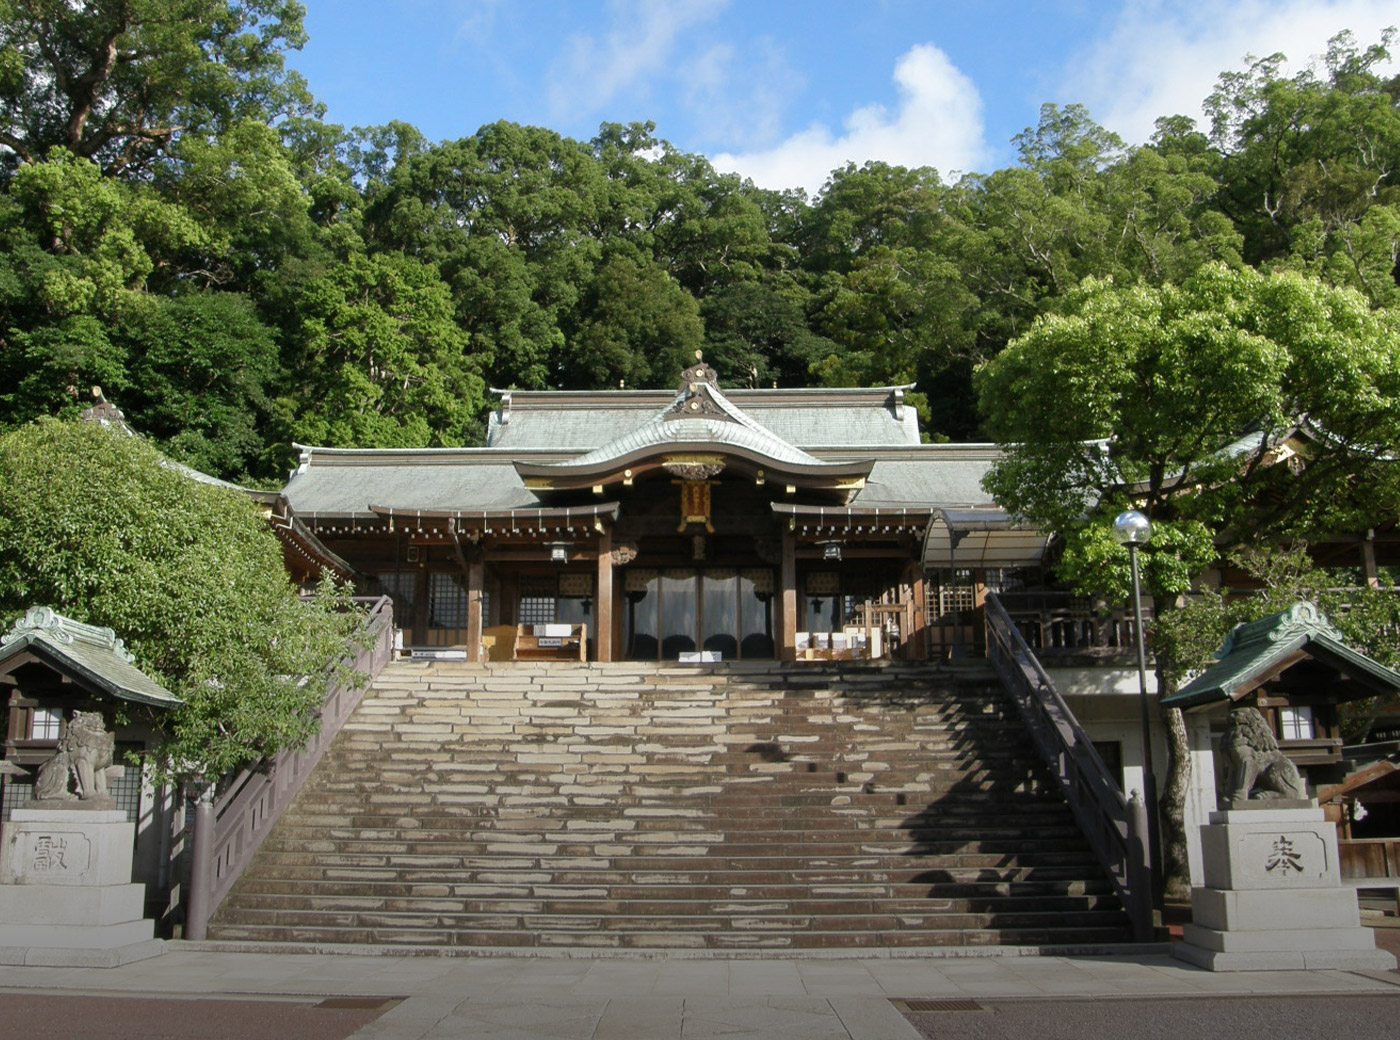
[(1258, 769), (84, 756)]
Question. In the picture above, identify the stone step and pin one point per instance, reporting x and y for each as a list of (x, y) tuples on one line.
[(655, 899), (599, 865), (520, 884), (653, 807), (676, 938), (682, 917), (816, 831)]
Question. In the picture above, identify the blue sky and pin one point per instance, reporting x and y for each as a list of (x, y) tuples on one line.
[(785, 91)]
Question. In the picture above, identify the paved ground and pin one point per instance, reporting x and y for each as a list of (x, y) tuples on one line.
[(1239, 1018), (559, 998), (53, 1016)]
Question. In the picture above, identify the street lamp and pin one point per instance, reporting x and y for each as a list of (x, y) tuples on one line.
[(1134, 530)]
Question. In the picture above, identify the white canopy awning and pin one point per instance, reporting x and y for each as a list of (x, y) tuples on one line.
[(980, 538)]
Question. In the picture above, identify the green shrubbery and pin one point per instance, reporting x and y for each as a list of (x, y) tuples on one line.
[(99, 526)]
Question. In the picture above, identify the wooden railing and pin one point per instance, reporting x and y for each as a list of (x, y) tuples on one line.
[(227, 831), (1369, 857), (1057, 622), (1116, 828)]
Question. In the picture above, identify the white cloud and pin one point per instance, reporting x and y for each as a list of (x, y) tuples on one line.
[(938, 122), (639, 45), (476, 20), (735, 97), (1163, 58)]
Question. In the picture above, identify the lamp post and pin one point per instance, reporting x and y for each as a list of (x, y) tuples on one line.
[(1133, 530)]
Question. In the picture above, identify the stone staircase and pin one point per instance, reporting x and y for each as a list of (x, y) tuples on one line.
[(635, 806)]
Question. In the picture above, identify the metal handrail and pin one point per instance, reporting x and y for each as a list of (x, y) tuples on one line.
[(1116, 828), (227, 831)]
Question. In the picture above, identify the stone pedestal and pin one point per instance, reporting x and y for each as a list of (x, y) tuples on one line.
[(66, 895), (1273, 897)]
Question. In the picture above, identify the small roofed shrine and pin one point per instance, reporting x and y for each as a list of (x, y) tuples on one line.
[(54, 670), (1296, 669), (698, 524)]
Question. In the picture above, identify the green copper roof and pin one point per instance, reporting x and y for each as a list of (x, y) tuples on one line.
[(1255, 651), (92, 655)]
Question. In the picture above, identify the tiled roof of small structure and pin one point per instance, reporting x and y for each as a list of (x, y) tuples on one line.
[(92, 655), (1255, 651)]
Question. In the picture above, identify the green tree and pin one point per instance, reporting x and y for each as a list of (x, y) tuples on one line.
[(378, 361), (1307, 158), (639, 328), (118, 81), (203, 373), (1181, 394), (1177, 399), (101, 528), (76, 250)]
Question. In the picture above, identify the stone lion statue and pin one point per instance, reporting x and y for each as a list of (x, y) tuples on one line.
[(1258, 769), (84, 755)]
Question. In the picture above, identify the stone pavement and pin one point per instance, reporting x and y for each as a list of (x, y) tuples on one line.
[(661, 998)]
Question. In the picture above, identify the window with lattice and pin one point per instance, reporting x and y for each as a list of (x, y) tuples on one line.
[(537, 600), (447, 601), (957, 594), (399, 587), (45, 724), (1297, 723)]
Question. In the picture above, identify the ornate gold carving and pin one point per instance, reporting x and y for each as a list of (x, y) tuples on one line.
[(624, 553), (693, 467)]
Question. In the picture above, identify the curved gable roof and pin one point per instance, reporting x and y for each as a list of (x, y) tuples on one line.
[(700, 418), (93, 656)]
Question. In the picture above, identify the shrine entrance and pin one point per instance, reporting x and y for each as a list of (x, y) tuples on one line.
[(722, 611)]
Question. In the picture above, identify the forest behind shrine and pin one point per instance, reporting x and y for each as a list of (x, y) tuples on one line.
[(181, 226)]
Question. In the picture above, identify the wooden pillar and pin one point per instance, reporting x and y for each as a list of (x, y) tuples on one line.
[(603, 598), (919, 636), (476, 573), (788, 634)]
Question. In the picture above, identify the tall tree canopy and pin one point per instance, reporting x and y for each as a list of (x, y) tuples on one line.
[(1179, 397), (117, 81), (161, 170)]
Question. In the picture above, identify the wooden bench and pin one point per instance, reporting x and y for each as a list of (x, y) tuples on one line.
[(550, 643)]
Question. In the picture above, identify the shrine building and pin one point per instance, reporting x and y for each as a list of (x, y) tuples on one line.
[(651, 525)]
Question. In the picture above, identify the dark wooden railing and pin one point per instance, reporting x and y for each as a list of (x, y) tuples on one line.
[(229, 829), (1369, 857), (1058, 622), (1115, 827)]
